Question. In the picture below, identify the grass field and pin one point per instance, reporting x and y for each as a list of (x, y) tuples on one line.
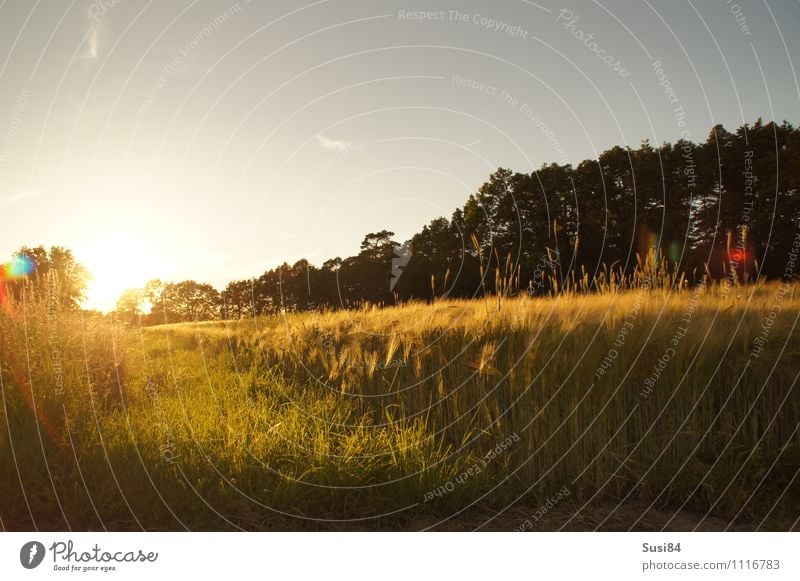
[(576, 411)]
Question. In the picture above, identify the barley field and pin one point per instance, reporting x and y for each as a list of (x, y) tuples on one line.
[(643, 408)]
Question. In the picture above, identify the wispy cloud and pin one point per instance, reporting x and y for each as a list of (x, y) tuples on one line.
[(328, 143), (20, 196), (95, 9), (91, 43)]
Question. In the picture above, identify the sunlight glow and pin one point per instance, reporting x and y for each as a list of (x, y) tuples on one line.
[(116, 262)]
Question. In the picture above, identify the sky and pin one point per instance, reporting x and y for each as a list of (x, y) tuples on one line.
[(213, 140)]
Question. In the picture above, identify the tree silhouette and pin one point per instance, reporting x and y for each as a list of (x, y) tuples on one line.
[(130, 305), (729, 205), (53, 273)]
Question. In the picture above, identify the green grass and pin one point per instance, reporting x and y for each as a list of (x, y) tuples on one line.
[(351, 419)]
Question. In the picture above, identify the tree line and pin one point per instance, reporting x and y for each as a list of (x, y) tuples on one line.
[(727, 206)]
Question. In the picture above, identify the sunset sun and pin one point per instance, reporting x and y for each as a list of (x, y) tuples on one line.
[(116, 262)]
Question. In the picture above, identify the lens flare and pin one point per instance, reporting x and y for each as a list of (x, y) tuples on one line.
[(674, 252), (647, 242), (19, 266)]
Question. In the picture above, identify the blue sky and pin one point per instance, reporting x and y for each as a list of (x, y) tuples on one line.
[(212, 140)]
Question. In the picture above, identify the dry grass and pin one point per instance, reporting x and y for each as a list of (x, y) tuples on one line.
[(313, 420)]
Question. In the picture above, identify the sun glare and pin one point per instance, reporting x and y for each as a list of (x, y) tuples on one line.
[(116, 262)]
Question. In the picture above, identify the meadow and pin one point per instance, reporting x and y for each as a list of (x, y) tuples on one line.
[(625, 409)]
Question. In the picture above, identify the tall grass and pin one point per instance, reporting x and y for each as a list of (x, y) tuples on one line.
[(352, 418)]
